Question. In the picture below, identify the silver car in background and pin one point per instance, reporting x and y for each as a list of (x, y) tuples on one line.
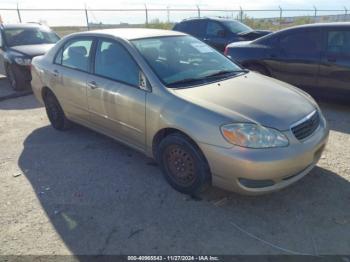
[(203, 118)]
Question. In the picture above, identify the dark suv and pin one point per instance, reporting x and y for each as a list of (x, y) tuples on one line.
[(19, 43), (218, 32), (313, 57)]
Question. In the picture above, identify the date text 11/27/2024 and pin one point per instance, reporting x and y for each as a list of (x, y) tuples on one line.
[(173, 258)]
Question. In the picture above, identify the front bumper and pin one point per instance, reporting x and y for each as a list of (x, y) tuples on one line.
[(23, 72), (259, 171)]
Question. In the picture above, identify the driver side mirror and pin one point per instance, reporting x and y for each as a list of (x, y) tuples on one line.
[(143, 82)]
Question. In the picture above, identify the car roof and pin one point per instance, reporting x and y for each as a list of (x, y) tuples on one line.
[(132, 33), (27, 25), (219, 19), (300, 27), (320, 25)]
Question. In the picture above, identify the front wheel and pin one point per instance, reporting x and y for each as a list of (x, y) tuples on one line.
[(55, 112), (183, 165)]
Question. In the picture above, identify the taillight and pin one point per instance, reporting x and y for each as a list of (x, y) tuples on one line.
[(226, 50)]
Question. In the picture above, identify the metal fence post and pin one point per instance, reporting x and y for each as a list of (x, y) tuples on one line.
[(146, 13), (198, 11), (315, 14), (346, 13), (19, 14), (168, 14), (241, 14), (281, 11), (87, 19)]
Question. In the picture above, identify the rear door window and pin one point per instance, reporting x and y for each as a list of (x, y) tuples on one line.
[(272, 40), (185, 27), (199, 28), (180, 27), (213, 29), (76, 54), (195, 27), (338, 41), (301, 43)]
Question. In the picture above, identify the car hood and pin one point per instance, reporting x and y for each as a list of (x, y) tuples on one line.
[(32, 50), (241, 43), (261, 32), (252, 98), (254, 34)]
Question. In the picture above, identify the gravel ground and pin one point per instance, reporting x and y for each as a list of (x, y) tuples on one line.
[(78, 192)]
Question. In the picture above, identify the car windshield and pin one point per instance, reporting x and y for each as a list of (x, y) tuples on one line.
[(181, 61), (29, 36), (236, 27)]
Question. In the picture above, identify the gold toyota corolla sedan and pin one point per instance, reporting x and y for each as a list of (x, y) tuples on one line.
[(206, 120)]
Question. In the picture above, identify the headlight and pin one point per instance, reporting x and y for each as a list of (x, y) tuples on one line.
[(253, 136), (23, 61)]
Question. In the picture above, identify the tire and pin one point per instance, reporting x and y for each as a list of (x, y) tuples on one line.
[(17, 82), (183, 164), (259, 69), (55, 112)]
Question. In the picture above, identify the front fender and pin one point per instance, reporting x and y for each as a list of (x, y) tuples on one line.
[(199, 123)]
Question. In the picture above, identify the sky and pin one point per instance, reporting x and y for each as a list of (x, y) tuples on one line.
[(78, 18)]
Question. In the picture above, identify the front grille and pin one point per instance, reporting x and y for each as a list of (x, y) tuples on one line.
[(305, 127)]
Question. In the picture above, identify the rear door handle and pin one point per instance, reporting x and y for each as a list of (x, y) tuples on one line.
[(55, 73), (92, 84), (331, 59)]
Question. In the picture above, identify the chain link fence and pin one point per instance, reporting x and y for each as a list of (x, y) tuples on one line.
[(87, 18)]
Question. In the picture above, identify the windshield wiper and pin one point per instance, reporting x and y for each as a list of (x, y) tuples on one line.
[(185, 81), (203, 79), (226, 72)]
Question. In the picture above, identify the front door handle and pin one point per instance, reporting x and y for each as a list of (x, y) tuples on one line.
[(92, 84)]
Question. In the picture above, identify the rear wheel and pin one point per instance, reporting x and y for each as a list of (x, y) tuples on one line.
[(259, 69), (55, 112), (183, 165)]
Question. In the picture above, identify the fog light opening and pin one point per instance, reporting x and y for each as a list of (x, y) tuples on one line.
[(250, 183)]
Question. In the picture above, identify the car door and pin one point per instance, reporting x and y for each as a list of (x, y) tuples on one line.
[(2, 54), (299, 57), (116, 102), (215, 35), (334, 76), (68, 77)]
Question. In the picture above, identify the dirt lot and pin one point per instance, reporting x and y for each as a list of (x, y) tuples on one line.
[(82, 193)]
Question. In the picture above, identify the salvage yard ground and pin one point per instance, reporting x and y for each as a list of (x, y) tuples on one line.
[(78, 192)]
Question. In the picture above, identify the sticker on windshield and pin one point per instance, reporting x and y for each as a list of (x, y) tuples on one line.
[(203, 48)]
